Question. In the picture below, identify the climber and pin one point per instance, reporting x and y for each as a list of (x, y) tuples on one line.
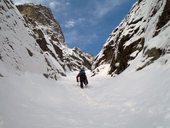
[(82, 78)]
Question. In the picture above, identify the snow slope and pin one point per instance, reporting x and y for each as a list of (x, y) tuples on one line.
[(132, 99)]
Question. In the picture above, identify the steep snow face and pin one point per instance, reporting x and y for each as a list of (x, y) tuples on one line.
[(48, 34), (144, 30), (18, 50)]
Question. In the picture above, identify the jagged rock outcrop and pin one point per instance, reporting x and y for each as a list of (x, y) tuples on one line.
[(75, 59), (148, 20), (41, 16)]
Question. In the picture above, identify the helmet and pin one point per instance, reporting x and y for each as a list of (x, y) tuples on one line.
[(82, 69)]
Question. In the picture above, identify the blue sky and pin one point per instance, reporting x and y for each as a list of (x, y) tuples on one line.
[(86, 23)]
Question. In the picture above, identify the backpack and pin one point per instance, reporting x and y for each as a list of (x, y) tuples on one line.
[(82, 74)]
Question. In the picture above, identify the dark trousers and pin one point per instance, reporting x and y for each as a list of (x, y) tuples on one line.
[(83, 82)]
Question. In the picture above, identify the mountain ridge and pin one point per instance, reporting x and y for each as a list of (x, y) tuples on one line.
[(145, 21), (42, 19)]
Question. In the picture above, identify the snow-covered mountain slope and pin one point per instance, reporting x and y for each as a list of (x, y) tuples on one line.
[(141, 38), (48, 34), (18, 50), (35, 43)]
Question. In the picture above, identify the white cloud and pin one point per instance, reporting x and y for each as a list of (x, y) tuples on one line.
[(70, 24), (54, 4), (104, 7), (67, 3), (81, 19)]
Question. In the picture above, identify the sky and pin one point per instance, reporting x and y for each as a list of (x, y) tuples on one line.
[(86, 23)]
